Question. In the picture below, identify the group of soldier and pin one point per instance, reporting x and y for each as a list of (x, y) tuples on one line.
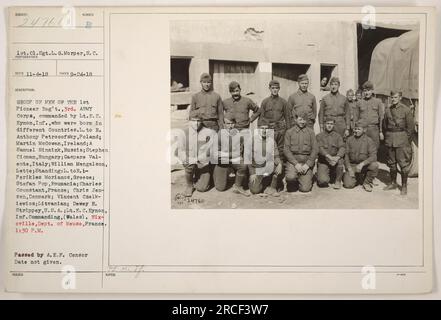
[(345, 150)]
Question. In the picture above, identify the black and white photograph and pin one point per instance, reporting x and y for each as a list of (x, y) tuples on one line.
[(294, 113)]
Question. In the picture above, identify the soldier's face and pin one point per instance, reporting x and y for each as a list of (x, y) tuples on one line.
[(350, 96), (229, 124), (358, 131), (396, 98), (367, 93), (303, 85), (275, 90), (301, 122), (206, 85), (324, 82), (359, 96), (263, 131), (329, 126), (235, 93), (334, 87)]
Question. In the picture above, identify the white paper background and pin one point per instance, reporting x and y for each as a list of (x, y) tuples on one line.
[(437, 176)]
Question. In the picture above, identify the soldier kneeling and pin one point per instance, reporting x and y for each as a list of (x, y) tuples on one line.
[(360, 159), (265, 175), (301, 151), (331, 155), (231, 158), (196, 156)]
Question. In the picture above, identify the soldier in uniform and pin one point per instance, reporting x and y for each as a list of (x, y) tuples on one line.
[(398, 126), (240, 107), (195, 156), (230, 158), (265, 175), (331, 155), (360, 159), (302, 101), (301, 151), (334, 104), (352, 103), (371, 110), (208, 105), (274, 113)]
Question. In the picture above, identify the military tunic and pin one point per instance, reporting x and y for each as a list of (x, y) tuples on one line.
[(300, 147), (301, 102), (208, 106), (274, 113), (329, 143), (240, 109), (360, 149), (335, 105), (399, 126), (372, 112), (230, 154), (262, 169)]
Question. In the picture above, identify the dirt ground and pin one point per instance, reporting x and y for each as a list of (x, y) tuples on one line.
[(318, 198)]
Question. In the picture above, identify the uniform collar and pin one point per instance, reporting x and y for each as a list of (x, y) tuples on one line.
[(297, 128), (301, 92)]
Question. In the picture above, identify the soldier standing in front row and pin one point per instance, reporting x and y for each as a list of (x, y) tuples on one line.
[(398, 126), (371, 110), (240, 107), (207, 104), (334, 105), (274, 113), (331, 155), (360, 159), (301, 152)]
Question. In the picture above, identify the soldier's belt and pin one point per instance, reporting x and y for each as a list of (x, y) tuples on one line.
[(396, 130)]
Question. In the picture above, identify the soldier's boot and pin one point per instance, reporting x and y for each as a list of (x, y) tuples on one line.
[(238, 188), (338, 177), (188, 192), (272, 189), (403, 191), (393, 183)]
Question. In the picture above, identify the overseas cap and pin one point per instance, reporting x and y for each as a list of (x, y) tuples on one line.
[(329, 118), (206, 77), (360, 124), (233, 85), (334, 79), (302, 77), (368, 85), (274, 83), (301, 114)]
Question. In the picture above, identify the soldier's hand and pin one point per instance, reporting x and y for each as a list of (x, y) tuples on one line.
[(359, 167), (381, 136), (346, 133), (299, 168), (278, 169), (253, 178), (305, 168), (351, 172)]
